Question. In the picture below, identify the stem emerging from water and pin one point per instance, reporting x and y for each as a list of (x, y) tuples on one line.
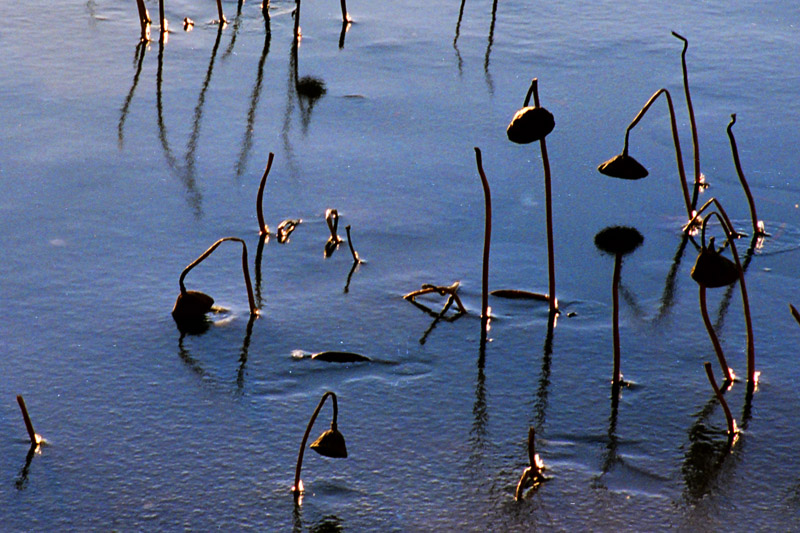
[(757, 228), (714, 340), (263, 228), (296, 488), (695, 144), (487, 237)]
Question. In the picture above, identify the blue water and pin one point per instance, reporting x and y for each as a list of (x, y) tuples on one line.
[(116, 173)]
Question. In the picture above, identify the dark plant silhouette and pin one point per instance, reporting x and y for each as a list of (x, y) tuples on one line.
[(712, 270), (34, 437), (624, 166), (699, 180), (191, 306), (262, 227), (487, 237), (758, 225), (732, 431), (144, 20), (617, 241), (795, 314), (529, 124), (330, 443)]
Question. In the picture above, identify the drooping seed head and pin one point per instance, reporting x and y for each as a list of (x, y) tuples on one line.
[(330, 444), (530, 124), (192, 305), (624, 167), (712, 269)]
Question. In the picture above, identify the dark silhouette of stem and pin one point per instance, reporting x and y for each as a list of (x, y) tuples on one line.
[(692, 122), (721, 398), (713, 336), (296, 487), (757, 229), (487, 237), (245, 269), (28, 424), (675, 139), (795, 314), (263, 229)]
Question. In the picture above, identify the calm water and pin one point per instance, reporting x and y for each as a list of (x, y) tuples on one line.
[(120, 164)]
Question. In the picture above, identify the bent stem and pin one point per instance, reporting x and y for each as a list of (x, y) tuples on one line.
[(696, 218), (728, 416), (356, 258), (297, 488), (245, 270), (692, 122), (263, 228), (487, 236), (758, 228), (713, 336), (675, 139)]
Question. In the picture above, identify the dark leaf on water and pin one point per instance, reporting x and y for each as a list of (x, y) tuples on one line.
[(340, 357)]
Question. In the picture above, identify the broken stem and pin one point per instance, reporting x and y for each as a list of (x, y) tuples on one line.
[(692, 122), (35, 439)]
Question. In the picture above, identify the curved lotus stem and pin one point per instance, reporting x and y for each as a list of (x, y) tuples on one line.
[(297, 487), (245, 270), (696, 217), (487, 237), (751, 357), (728, 417), (675, 139), (263, 228), (692, 122), (758, 227)]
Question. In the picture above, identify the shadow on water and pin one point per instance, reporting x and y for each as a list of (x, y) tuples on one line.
[(725, 302), (247, 142), (540, 405), (237, 22), (326, 524), (198, 368), (459, 60), (138, 59), (22, 479), (489, 42), (262, 239)]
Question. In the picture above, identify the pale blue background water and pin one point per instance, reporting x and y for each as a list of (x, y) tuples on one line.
[(103, 201)]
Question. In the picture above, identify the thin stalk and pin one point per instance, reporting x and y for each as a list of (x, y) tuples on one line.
[(345, 17), (263, 228), (161, 18), (35, 439), (296, 489), (245, 270), (692, 122), (487, 237), (144, 19), (675, 139), (356, 258), (551, 268), (751, 356), (221, 14), (795, 313), (617, 380), (757, 228), (721, 398), (713, 336)]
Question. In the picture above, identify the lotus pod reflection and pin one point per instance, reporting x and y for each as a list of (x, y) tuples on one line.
[(330, 444), (618, 240), (530, 124), (624, 167)]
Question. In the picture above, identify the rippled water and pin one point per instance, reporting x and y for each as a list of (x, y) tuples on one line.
[(120, 164)]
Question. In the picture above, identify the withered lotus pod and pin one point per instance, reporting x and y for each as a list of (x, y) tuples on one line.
[(712, 269), (530, 124), (192, 305), (624, 167), (618, 240), (330, 444)]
